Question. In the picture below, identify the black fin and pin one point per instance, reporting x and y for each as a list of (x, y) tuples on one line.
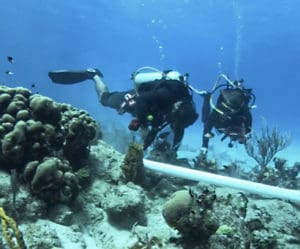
[(72, 76)]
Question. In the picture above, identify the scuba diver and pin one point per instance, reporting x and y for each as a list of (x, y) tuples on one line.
[(230, 115), (159, 99)]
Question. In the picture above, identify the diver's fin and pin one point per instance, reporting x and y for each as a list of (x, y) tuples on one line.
[(73, 76)]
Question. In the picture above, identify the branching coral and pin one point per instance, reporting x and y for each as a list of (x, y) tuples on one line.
[(11, 232), (264, 147)]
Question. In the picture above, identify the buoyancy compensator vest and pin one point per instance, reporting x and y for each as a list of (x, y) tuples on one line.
[(233, 98)]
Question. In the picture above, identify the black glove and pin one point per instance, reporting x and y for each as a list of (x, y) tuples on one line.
[(134, 125)]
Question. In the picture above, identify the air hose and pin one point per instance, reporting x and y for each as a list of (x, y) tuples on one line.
[(225, 181)]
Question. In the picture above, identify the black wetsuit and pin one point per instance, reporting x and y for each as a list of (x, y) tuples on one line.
[(116, 99), (157, 99), (241, 119)]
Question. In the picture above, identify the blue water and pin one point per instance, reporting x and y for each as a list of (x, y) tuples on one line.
[(255, 40)]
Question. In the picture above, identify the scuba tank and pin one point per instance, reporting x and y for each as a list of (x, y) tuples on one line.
[(230, 85), (149, 74)]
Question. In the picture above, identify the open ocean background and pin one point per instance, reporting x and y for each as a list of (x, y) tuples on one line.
[(255, 40)]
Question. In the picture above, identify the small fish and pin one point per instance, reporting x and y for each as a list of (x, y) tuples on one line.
[(33, 85), (9, 72), (10, 59)]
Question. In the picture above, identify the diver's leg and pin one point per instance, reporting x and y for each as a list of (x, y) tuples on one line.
[(207, 133), (206, 107), (106, 98), (114, 100), (100, 86)]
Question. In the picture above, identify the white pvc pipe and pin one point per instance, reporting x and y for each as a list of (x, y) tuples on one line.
[(225, 181)]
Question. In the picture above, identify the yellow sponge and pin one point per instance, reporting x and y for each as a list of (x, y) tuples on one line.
[(11, 232)]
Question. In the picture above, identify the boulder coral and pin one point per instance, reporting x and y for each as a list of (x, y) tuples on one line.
[(219, 218), (177, 209), (191, 215), (13, 143), (52, 180), (45, 109), (79, 130), (45, 141)]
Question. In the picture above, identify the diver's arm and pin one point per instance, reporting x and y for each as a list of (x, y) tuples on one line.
[(178, 136)]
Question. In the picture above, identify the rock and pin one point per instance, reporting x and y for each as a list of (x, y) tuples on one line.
[(125, 206), (61, 214)]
